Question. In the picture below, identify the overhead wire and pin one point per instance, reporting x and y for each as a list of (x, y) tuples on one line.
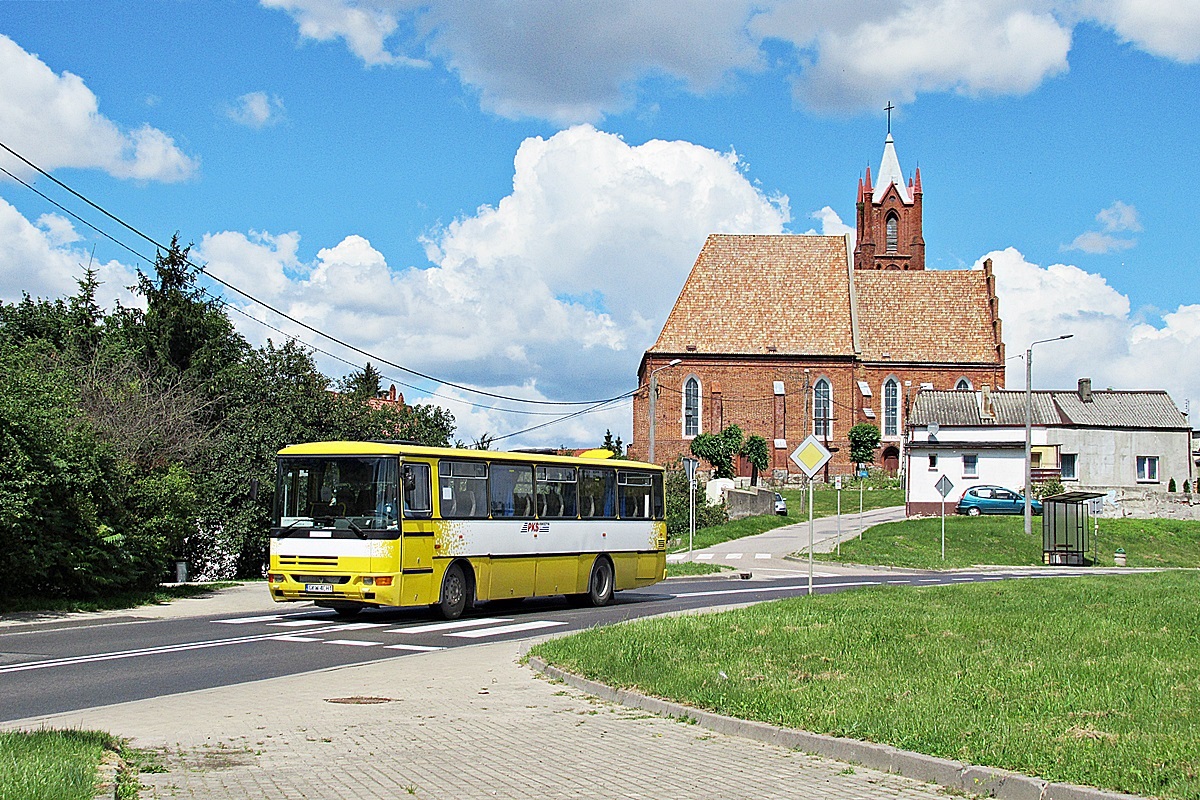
[(284, 315)]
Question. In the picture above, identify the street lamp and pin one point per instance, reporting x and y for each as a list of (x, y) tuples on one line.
[(1029, 429), (654, 397)]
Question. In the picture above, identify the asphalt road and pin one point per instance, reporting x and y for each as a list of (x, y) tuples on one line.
[(66, 666)]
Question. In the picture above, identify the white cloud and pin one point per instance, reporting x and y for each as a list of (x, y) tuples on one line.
[(1167, 28), (54, 120), (559, 288), (1109, 345), (831, 223), (363, 26), (1117, 218), (37, 259), (256, 110)]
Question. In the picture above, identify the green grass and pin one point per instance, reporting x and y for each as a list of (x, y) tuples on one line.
[(695, 568), (1086, 680), (1000, 540), (163, 594), (824, 505), (51, 764)]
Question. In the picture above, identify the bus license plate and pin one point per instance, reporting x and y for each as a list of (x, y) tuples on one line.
[(319, 588)]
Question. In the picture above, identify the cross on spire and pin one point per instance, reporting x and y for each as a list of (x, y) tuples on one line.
[(889, 108)]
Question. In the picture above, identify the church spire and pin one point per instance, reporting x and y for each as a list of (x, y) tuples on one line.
[(890, 174), (889, 221)]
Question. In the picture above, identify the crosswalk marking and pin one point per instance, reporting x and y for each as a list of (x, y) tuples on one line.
[(297, 623), (503, 629), (733, 556), (450, 626), (353, 642), (247, 620), (704, 557), (285, 637), (417, 648), (762, 555)]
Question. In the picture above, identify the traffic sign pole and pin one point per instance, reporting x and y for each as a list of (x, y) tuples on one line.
[(810, 537), (944, 486), (810, 456)]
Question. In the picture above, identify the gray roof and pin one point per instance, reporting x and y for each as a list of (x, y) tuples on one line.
[(1107, 409)]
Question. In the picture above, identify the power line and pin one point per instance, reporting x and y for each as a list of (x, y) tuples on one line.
[(286, 316)]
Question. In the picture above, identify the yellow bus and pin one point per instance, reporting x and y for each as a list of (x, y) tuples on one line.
[(366, 524)]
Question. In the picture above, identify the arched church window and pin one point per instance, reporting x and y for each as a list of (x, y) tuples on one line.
[(822, 409), (691, 407), (963, 385), (893, 233), (891, 407)]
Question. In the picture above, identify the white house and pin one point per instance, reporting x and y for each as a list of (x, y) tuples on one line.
[(1095, 440)]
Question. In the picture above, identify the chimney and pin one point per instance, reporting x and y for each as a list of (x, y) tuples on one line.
[(987, 411), (392, 393), (1085, 390)]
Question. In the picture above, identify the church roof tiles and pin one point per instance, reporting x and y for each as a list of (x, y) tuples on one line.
[(792, 295)]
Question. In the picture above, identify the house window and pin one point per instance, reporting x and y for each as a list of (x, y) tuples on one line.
[(1147, 469), (1067, 460), (933, 461), (970, 465), (822, 406), (691, 407), (893, 233), (963, 385), (891, 407)]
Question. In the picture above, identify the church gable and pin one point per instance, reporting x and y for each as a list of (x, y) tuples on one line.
[(748, 295)]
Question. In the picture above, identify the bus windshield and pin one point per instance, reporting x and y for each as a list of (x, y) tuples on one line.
[(355, 493)]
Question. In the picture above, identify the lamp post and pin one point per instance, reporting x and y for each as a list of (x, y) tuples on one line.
[(1029, 429), (654, 397)]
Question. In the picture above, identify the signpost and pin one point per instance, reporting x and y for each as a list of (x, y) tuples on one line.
[(810, 456), (837, 484), (944, 486), (689, 469)]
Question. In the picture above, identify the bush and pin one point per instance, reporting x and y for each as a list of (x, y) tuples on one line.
[(1171, 485), (677, 505), (1047, 488)]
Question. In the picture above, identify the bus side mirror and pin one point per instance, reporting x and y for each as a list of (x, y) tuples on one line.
[(254, 489)]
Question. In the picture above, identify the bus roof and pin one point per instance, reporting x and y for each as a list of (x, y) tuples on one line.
[(393, 448)]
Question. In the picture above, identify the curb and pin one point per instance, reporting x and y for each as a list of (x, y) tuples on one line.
[(955, 775), (106, 775)]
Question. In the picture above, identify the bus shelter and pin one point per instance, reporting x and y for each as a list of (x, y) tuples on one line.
[(1066, 528)]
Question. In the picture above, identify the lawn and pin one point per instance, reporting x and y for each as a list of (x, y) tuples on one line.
[(1091, 680), (51, 764), (970, 541), (58, 605), (824, 505), (686, 568)]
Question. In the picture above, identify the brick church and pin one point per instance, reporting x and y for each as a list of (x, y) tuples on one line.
[(787, 335)]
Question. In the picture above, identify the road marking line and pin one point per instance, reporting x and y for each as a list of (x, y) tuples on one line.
[(704, 557), (795, 587), (450, 626), (353, 642), (733, 556), (416, 648), (503, 629), (298, 623), (292, 638), (358, 626), (762, 555), (246, 620)]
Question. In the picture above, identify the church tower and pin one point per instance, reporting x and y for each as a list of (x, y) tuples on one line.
[(889, 217)]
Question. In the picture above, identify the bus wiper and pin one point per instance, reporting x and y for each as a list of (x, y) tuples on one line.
[(286, 532), (359, 532)]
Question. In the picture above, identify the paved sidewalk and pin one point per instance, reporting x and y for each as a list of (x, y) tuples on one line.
[(765, 554), (468, 722)]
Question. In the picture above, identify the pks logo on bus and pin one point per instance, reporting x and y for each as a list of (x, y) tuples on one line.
[(535, 527)]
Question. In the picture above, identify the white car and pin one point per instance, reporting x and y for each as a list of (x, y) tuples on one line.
[(780, 505)]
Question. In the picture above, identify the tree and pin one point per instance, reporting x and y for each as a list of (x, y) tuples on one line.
[(362, 384), (719, 450), (614, 446), (864, 439), (758, 454)]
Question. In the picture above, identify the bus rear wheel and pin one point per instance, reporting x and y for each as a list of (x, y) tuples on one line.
[(600, 585), (456, 593)]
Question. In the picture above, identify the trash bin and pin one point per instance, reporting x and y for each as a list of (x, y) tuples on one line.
[(181, 572)]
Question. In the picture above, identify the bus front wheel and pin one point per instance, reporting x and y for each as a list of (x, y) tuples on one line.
[(456, 593), (600, 585)]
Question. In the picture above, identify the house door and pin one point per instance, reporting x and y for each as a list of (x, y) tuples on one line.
[(743, 467), (891, 460)]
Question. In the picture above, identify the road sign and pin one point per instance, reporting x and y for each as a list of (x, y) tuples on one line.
[(944, 486), (837, 482), (689, 467), (811, 455)]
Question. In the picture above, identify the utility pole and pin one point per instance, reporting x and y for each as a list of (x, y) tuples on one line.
[(654, 401)]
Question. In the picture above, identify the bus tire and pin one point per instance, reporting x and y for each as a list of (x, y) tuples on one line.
[(456, 593), (600, 584), (347, 612)]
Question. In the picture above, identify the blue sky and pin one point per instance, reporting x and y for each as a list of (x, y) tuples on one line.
[(509, 195)]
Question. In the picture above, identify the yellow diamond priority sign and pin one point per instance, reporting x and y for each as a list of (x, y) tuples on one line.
[(811, 455)]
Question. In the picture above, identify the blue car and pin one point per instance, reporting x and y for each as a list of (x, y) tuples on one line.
[(995, 500)]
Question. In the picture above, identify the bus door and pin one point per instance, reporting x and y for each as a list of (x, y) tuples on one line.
[(416, 539)]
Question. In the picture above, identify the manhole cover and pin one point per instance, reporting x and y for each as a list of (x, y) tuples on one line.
[(359, 701)]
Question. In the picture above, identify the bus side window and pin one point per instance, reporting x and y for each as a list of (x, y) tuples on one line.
[(462, 489), (556, 492), (598, 493), (416, 492)]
